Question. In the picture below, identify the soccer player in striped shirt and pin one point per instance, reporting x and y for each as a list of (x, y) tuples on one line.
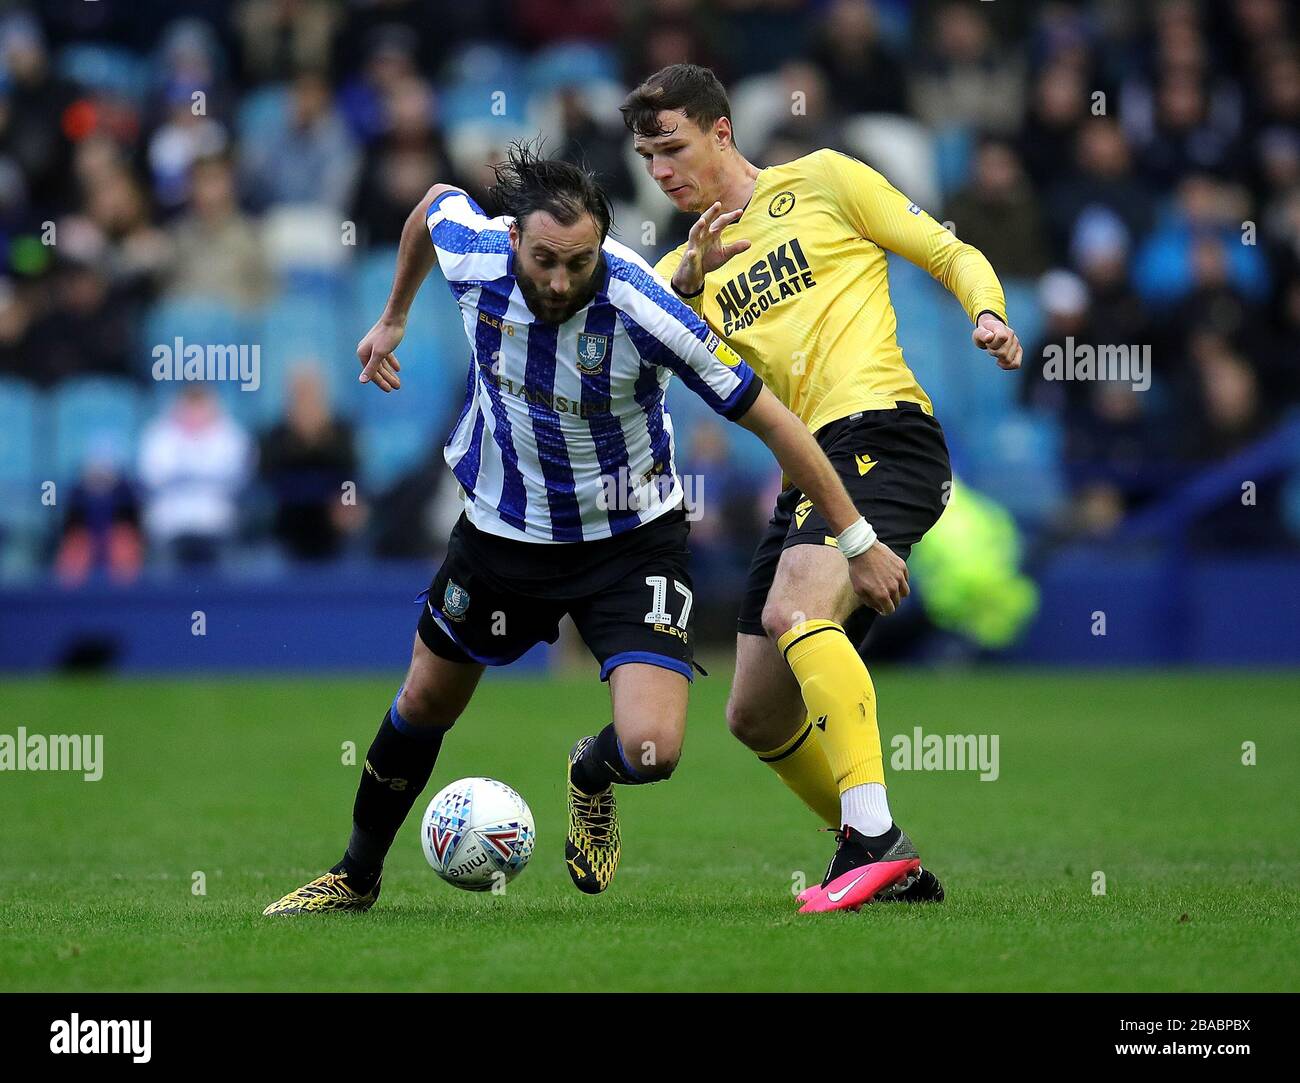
[(572, 504), (787, 265)]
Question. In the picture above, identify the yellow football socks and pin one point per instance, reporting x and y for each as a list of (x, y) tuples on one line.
[(841, 701), (802, 765)]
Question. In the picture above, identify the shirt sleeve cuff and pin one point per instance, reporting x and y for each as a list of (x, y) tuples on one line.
[(745, 398)]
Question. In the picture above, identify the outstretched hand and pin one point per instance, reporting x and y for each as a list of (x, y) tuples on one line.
[(379, 364)]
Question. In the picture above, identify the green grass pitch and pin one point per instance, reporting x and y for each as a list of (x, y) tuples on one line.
[(1137, 776)]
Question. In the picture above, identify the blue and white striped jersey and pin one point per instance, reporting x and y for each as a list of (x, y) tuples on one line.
[(564, 436)]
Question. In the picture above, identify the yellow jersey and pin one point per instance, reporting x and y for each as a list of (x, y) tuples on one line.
[(807, 305)]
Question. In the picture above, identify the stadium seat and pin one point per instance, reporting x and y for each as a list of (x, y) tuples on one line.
[(21, 425), (953, 148), (1016, 461), (94, 417), (917, 303), (24, 520), (901, 149), (105, 69), (389, 449), (485, 85), (191, 319), (434, 329), (295, 330), (573, 63), (1026, 313), (261, 113)]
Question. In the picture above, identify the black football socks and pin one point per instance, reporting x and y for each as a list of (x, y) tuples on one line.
[(603, 762), (397, 769)]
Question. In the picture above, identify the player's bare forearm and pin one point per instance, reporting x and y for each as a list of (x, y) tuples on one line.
[(802, 459), (415, 259)]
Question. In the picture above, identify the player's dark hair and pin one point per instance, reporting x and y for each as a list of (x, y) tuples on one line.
[(526, 182), (694, 90)]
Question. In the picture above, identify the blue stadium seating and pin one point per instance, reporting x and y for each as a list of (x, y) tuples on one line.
[(21, 425), (1016, 461), (574, 63), (301, 329), (24, 520), (477, 73), (389, 449), (93, 416), (953, 148), (106, 69), (261, 113)]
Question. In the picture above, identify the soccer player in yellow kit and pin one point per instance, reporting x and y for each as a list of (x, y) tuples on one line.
[(787, 265)]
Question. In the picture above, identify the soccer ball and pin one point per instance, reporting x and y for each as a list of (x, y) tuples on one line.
[(477, 833)]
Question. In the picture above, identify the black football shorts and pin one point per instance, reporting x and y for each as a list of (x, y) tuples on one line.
[(894, 464), (629, 595)]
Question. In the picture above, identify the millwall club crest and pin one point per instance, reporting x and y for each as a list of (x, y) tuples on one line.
[(455, 601), (592, 350)]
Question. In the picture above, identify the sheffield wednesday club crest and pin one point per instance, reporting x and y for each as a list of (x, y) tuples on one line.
[(592, 350)]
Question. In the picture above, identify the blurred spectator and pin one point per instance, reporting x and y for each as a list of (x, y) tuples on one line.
[(1063, 298), (964, 76), (305, 461), (194, 464), (184, 138), (545, 22), (278, 36), (386, 60), (85, 330), (137, 251), (866, 75), (1060, 105), (1101, 250), (405, 161), (191, 58), (1199, 243), (999, 214), (1230, 412), (600, 147), (1102, 175), (809, 121), (1189, 132), (724, 495), (310, 158), (101, 530), (217, 253), (33, 102), (663, 32)]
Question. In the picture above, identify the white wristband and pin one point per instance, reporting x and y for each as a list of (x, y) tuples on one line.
[(856, 539)]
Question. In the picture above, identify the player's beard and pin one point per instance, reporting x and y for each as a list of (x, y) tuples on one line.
[(540, 302)]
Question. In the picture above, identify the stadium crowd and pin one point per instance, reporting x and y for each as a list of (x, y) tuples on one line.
[(240, 172)]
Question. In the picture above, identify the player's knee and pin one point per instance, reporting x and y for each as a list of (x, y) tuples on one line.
[(779, 618), (653, 757), (424, 707)]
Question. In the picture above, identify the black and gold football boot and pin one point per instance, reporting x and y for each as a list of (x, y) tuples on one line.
[(330, 892), (591, 850)]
